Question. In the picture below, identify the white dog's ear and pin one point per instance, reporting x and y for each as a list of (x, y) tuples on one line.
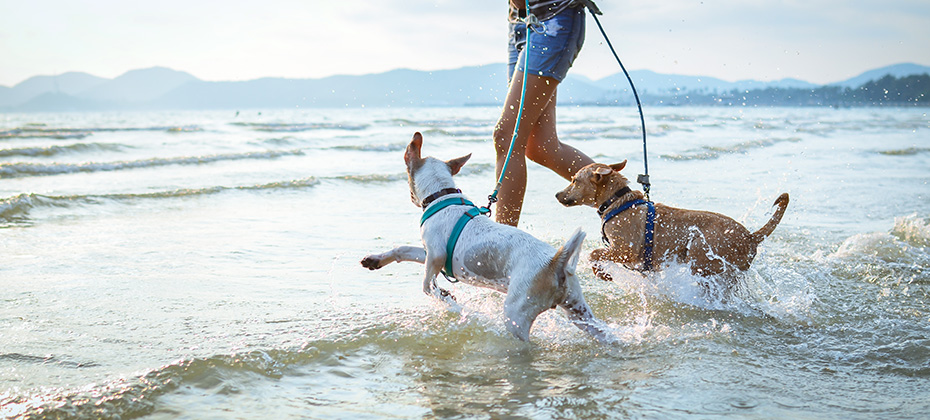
[(618, 166), (456, 164), (412, 154)]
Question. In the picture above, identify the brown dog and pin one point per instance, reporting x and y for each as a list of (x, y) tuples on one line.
[(711, 243)]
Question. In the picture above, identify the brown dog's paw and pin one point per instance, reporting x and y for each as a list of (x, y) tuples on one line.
[(601, 273), (371, 263)]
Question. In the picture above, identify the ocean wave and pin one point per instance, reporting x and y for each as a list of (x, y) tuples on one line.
[(15, 210), (321, 366), (19, 170), (676, 117), (386, 147), (58, 134), (470, 169), (438, 123), (372, 178), (59, 150), (299, 127), (910, 151), (218, 374), (46, 360), (764, 125), (908, 242), (483, 132), (476, 169), (581, 132), (137, 397), (896, 259), (41, 131), (714, 152), (913, 230)]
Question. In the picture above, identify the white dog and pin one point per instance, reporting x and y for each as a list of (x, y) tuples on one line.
[(534, 275)]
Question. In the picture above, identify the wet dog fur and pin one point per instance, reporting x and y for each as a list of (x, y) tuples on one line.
[(711, 243), (534, 276)]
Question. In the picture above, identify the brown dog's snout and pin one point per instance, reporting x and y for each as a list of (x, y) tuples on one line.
[(563, 198)]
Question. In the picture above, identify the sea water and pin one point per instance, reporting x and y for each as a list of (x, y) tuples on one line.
[(206, 265)]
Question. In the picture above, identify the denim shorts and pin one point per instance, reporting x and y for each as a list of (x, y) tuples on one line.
[(554, 44)]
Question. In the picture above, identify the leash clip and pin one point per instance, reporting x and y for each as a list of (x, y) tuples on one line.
[(533, 23), (592, 7), (491, 200), (644, 180)]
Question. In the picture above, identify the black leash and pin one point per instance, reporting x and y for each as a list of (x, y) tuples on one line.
[(642, 178)]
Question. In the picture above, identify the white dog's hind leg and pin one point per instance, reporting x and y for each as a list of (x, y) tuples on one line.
[(521, 310), (518, 321), (399, 254), (580, 314)]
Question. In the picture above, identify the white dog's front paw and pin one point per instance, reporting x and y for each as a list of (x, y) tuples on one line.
[(372, 262), (442, 294), (447, 298)]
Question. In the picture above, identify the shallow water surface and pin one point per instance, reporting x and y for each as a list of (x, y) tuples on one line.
[(206, 265)]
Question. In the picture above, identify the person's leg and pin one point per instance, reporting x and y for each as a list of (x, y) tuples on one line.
[(539, 92), (554, 47), (544, 147)]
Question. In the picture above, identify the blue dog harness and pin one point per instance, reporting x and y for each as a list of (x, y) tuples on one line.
[(649, 239), (459, 225)]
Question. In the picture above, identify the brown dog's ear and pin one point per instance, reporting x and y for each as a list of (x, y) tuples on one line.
[(618, 166), (600, 172), (456, 164), (412, 154)]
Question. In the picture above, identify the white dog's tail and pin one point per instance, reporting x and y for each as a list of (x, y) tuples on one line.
[(566, 258), (565, 262)]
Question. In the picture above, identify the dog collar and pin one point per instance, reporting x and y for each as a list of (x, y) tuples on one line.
[(432, 197), (620, 193)]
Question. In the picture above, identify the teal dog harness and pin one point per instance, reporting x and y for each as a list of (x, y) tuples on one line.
[(459, 225)]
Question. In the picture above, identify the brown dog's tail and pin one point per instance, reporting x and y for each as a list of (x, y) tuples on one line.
[(782, 203)]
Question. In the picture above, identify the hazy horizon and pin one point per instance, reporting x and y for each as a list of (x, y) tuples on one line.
[(732, 40), (408, 69)]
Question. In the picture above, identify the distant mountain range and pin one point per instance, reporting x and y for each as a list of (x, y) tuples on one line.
[(162, 88)]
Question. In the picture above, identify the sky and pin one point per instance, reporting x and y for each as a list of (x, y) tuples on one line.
[(819, 41)]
